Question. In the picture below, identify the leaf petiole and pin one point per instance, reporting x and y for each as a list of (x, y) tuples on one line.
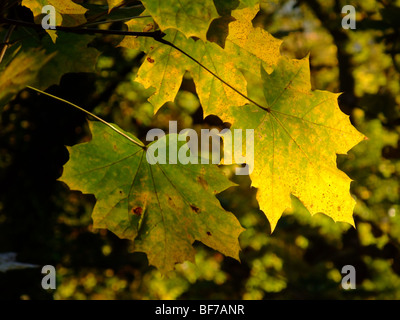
[(138, 143)]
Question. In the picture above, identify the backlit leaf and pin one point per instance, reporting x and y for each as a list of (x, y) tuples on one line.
[(20, 72), (113, 3), (296, 144), (68, 13), (164, 208), (247, 48), (68, 45), (192, 18), (251, 46)]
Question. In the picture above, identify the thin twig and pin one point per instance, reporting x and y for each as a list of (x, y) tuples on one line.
[(115, 20), (6, 45), (78, 30)]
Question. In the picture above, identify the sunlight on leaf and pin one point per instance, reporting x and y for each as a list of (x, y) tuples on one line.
[(164, 208), (192, 18), (296, 145)]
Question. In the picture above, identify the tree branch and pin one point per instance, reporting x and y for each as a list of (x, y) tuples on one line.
[(153, 34), (156, 35)]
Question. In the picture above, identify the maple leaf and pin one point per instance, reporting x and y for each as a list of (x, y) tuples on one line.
[(165, 66), (192, 18), (164, 208), (251, 46), (68, 13), (42, 63), (246, 48), (113, 3), (58, 56), (297, 137), (68, 45), (21, 71)]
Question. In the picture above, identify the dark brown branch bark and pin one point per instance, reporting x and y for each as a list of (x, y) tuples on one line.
[(154, 34)]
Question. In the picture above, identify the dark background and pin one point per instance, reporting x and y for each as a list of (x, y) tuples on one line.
[(45, 223)]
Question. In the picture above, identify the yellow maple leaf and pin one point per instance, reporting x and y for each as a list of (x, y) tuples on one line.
[(113, 3), (247, 48), (296, 139), (251, 46)]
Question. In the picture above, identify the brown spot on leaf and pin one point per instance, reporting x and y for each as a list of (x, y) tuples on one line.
[(194, 208), (339, 208), (150, 60), (137, 211), (208, 233), (203, 182), (148, 27)]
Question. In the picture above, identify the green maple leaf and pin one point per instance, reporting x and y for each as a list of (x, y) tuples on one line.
[(164, 208), (192, 18), (297, 137), (21, 71), (246, 48), (68, 13), (68, 45), (42, 63), (164, 67)]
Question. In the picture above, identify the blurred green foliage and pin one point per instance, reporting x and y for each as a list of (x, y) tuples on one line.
[(45, 223)]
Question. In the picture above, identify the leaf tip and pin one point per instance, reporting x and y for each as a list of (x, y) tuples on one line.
[(272, 225)]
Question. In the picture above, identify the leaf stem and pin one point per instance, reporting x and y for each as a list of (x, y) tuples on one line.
[(166, 42), (138, 143)]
